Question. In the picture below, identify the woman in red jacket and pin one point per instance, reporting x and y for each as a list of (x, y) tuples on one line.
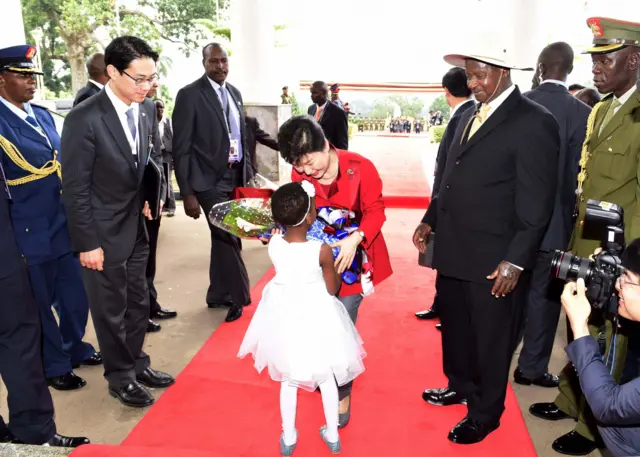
[(346, 180)]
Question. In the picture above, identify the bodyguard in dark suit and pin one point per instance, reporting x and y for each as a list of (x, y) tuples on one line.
[(491, 211), (97, 78), (543, 302), (331, 117), (108, 141), (256, 134), (211, 159), (458, 96), (29, 151), (29, 400)]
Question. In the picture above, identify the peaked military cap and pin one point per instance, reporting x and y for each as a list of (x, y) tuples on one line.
[(611, 35), (19, 59)]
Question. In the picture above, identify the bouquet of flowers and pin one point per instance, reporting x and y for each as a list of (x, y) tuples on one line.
[(251, 218)]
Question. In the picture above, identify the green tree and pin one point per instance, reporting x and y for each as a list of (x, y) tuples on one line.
[(440, 103), (408, 107), (71, 27), (382, 108)]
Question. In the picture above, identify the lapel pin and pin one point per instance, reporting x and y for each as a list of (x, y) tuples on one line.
[(350, 171)]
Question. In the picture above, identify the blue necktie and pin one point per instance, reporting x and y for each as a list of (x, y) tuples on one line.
[(131, 123), (234, 128), (33, 122)]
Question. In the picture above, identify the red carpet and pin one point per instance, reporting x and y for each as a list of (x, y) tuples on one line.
[(221, 407)]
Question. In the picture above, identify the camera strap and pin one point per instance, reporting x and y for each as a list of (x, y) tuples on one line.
[(602, 340)]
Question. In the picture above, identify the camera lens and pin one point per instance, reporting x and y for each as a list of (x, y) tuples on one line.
[(568, 267)]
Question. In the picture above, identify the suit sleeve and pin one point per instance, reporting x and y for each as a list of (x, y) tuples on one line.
[(611, 403), (78, 157), (263, 137), (371, 202), (156, 152), (441, 162), (183, 121), (168, 135), (342, 130), (536, 177)]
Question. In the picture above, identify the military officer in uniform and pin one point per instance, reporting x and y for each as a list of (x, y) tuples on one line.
[(29, 400), (29, 152), (609, 172)]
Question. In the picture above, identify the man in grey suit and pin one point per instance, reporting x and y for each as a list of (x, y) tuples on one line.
[(211, 158), (108, 141), (165, 130), (555, 63)]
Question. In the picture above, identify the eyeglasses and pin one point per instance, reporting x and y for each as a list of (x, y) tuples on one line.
[(141, 81), (625, 282)]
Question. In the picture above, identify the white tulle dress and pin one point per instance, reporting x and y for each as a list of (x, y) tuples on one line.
[(299, 332)]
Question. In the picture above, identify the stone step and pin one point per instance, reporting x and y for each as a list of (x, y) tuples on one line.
[(25, 450)]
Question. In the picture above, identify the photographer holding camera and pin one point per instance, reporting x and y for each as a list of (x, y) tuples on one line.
[(615, 407)]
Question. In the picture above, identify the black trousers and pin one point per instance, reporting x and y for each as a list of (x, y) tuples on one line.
[(171, 197), (228, 278), (153, 229), (28, 397), (542, 315), (119, 304), (479, 333)]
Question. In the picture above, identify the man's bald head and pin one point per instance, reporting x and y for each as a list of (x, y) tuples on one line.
[(556, 61), (319, 92), (97, 69)]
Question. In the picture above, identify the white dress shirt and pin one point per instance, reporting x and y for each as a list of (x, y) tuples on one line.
[(233, 109), (121, 109), (555, 81), (97, 84), (457, 107), (22, 114)]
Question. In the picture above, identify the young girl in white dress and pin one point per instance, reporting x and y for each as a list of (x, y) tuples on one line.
[(300, 332)]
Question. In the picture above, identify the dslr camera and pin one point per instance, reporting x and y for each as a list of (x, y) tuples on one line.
[(605, 222)]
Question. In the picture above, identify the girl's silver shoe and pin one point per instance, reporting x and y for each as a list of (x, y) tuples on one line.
[(333, 447), (286, 451)]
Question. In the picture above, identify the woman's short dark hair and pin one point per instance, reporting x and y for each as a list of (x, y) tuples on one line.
[(455, 81), (298, 136), (125, 49), (289, 204)]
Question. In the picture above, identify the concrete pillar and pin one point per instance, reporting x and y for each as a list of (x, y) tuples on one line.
[(12, 24), (252, 47)]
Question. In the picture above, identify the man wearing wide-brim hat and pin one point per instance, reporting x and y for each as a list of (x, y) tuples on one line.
[(495, 201), (609, 172)]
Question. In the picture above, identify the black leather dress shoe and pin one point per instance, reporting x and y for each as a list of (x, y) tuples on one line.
[(6, 436), (573, 444), (548, 411), (95, 359), (443, 397), (428, 314), (153, 327), (469, 431), (69, 381), (153, 378), (235, 313), (439, 327), (546, 380), (133, 395), (164, 313), (67, 441)]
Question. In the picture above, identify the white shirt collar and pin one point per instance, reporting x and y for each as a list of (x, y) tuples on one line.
[(323, 105), (499, 100), (97, 84), (555, 81), (28, 111), (627, 95), (215, 85), (120, 106), (455, 108)]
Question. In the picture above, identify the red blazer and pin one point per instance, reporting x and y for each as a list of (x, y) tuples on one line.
[(359, 189)]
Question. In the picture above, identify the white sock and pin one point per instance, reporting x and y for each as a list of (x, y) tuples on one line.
[(329, 390), (288, 404)]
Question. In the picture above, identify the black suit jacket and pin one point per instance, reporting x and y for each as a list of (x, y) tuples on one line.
[(102, 186), (87, 91), (572, 116), (497, 191), (256, 134), (201, 138), (334, 124), (445, 144), (11, 257)]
